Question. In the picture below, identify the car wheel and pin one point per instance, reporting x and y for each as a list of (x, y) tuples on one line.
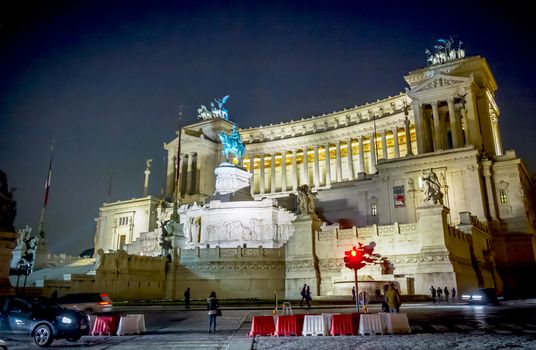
[(73, 339), (42, 335)]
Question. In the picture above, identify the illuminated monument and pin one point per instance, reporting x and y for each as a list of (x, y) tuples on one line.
[(423, 174)]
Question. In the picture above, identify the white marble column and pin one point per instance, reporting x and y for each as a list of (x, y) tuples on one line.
[(496, 132), (466, 131), (261, 175), (283, 171), (305, 170), (183, 175), (409, 151), (456, 142), (438, 140), (486, 171), (272, 173), (328, 165), (384, 144), (420, 129), (252, 172), (338, 162), (444, 136), (395, 142), (372, 154), (294, 171), (350, 161), (472, 118), (361, 156), (316, 168)]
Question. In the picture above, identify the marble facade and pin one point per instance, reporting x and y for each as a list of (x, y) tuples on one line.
[(365, 164)]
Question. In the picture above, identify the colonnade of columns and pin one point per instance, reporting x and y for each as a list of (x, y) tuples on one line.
[(434, 127), (188, 180), (289, 169)]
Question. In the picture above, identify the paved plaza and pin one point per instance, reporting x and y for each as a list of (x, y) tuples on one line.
[(433, 326)]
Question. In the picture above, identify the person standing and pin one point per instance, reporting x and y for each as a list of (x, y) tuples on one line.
[(212, 307), (187, 299), (392, 299), (303, 291), (353, 294), (433, 291), (446, 291), (399, 299), (439, 292), (308, 297), (453, 294)]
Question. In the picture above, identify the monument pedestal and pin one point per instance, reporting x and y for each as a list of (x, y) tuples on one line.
[(7, 243), (300, 257), (232, 183), (433, 219)]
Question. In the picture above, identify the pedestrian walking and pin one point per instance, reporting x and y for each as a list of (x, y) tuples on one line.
[(446, 292), (308, 297), (187, 299), (453, 294), (392, 298), (212, 307), (439, 292), (303, 291), (353, 294), (433, 291)]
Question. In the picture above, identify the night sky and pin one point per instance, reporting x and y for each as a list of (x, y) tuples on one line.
[(105, 79)]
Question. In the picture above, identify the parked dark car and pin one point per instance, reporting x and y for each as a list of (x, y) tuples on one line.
[(482, 296), (91, 303), (41, 318)]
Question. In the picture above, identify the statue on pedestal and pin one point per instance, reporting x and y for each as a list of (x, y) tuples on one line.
[(431, 188), (306, 200), (232, 144)]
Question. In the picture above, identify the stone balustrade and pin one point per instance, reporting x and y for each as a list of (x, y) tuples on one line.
[(333, 232)]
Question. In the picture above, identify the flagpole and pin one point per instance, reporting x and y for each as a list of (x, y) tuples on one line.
[(177, 174), (40, 231)]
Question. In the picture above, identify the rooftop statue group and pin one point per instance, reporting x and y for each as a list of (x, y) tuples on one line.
[(445, 51), (214, 112)]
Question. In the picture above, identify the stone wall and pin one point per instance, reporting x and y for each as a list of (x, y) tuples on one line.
[(230, 272), (121, 276), (428, 252)]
